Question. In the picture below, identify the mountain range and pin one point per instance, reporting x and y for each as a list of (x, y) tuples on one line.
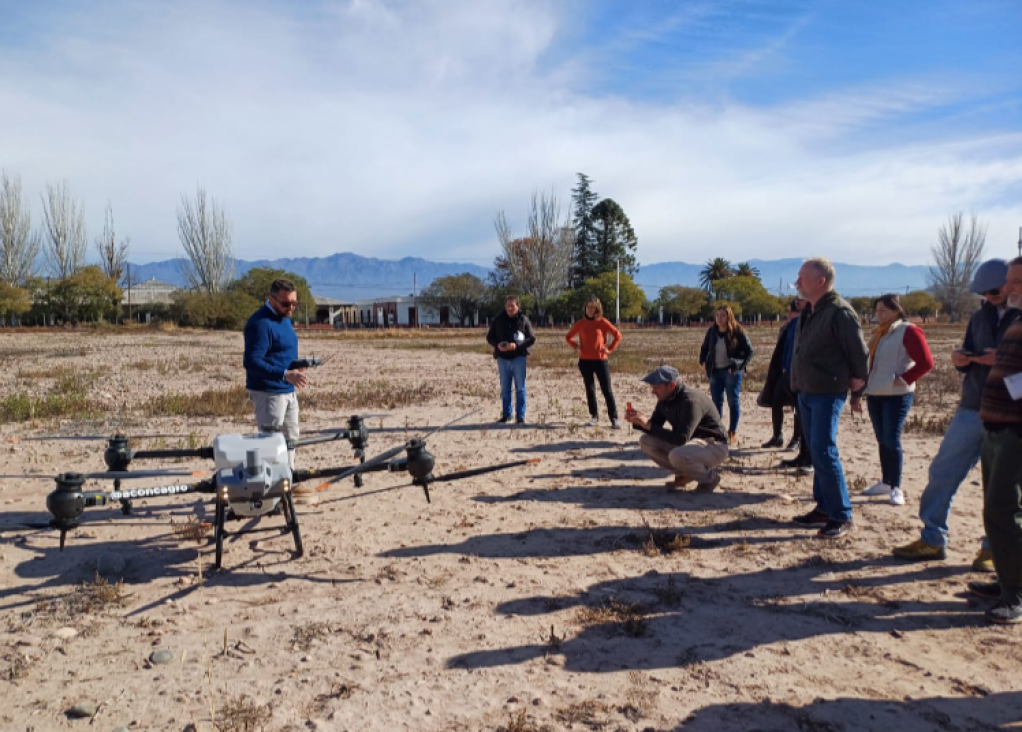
[(351, 277)]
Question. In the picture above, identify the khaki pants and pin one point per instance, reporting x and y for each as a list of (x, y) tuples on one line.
[(696, 459), (278, 412)]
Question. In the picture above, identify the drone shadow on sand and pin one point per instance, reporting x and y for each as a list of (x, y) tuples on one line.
[(159, 555)]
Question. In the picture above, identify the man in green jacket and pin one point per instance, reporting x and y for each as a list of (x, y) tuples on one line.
[(830, 358)]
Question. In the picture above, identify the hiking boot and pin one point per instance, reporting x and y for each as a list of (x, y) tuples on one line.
[(987, 590), (1004, 614), (709, 485), (835, 529), (920, 551), (678, 482), (878, 489), (813, 519), (519, 420), (504, 419), (732, 438), (794, 444), (775, 441), (897, 497), (984, 561), (593, 421)]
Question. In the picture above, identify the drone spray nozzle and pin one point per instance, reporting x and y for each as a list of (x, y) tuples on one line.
[(117, 455), (253, 464), (66, 503)]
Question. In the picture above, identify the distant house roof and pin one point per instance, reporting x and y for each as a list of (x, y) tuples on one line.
[(152, 291), (327, 302)]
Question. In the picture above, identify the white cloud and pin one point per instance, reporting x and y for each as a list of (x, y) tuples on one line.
[(393, 129)]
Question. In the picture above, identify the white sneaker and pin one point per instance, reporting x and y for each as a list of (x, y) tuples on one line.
[(592, 422), (615, 425), (877, 489), (897, 497)]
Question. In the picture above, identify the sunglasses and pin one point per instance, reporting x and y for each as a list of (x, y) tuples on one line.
[(995, 292), (285, 303)]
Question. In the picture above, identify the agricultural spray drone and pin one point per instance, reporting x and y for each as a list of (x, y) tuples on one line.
[(252, 478)]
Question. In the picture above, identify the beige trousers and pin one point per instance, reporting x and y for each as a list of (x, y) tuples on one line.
[(696, 459)]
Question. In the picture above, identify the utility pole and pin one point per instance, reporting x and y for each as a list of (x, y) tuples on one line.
[(617, 297), (415, 299), (1020, 241)]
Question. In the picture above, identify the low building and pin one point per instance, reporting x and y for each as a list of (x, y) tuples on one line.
[(337, 313), (142, 299), (389, 312)]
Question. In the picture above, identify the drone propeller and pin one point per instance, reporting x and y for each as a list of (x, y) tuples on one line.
[(346, 428), (440, 479), (378, 461), (109, 475)]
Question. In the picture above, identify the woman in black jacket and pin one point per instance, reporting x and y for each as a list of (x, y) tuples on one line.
[(725, 353)]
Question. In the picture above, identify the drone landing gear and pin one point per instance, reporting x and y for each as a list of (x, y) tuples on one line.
[(290, 518), (361, 455), (292, 522)]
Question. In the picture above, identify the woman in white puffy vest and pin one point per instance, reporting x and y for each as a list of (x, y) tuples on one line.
[(898, 357)]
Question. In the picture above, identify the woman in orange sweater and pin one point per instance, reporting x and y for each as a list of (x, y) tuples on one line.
[(592, 332)]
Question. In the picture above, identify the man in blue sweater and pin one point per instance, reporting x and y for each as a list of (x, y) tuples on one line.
[(271, 346)]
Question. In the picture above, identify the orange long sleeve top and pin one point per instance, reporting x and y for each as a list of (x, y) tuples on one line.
[(592, 338)]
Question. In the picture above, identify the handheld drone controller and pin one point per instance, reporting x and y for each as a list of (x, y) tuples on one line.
[(306, 363)]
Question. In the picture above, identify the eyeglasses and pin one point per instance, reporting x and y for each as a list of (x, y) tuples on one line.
[(285, 303), (994, 292)]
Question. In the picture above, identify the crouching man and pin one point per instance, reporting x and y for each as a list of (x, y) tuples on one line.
[(684, 434)]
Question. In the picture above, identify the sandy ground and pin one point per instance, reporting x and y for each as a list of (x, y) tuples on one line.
[(524, 600)]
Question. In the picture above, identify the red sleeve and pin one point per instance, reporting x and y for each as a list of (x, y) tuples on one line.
[(918, 351), (614, 332), (573, 332)]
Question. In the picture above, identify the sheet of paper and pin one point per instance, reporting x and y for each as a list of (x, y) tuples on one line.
[(1014, 384)]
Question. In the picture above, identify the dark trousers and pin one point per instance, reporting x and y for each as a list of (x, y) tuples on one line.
[(783, 397), (1002, 508), (888, 413), (591, 370)]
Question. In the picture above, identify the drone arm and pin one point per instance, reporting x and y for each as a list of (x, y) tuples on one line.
[(203, 486), (332, 437), (199, 452), (481, 471), (336, 474)]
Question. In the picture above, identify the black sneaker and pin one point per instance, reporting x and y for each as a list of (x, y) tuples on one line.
[(775, 441), (1004, 614), (835, 529), (519, 420), (813, 519), (806, 469), (795, 463), (504, 419), (794, 444), (987, 590)]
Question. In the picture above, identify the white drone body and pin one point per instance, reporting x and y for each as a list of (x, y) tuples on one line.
[(252, 471)]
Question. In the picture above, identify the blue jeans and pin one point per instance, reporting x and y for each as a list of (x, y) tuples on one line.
[(820, 413), (724, 382), (958, 454), (888, 413), (512, 369)]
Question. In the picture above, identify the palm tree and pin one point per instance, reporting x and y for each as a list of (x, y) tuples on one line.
[(744, 269), (715, 269)]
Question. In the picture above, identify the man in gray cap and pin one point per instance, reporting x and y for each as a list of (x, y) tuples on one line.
[(960, 450), (685, 434)]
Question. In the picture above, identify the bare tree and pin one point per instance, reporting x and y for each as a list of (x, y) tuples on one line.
[(538, 264), (957, 253), (112, 254), (66, 242), (205, 235), (19, 245)]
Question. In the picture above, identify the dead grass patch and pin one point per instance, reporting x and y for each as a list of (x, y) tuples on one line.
[(592, 714), (231, 402), (933, 425), (305, 635), (243, 714), (632, 618), (376, 394), (663, 541), (191, 530), (87, 598)]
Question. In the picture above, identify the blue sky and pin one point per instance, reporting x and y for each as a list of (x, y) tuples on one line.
[(745, 129)]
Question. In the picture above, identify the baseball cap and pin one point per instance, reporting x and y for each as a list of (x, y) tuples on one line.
[(661, 375), (990, 275)]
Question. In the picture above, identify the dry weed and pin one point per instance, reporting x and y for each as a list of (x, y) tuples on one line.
[(86, 598), (191, 530), (305, 635), (242, 714), (631, 617)]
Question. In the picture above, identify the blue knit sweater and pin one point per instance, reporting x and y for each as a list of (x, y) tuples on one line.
[(271, 344)]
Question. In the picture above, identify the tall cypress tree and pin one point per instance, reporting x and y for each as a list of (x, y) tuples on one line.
[(584, 254), (615, 239)]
